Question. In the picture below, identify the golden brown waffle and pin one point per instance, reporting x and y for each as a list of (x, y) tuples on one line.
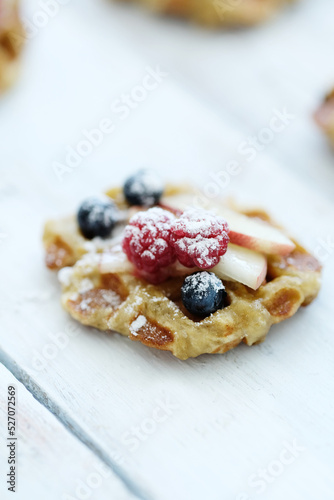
[(218, 12), (11, 43), (325, 116), (155, 315)]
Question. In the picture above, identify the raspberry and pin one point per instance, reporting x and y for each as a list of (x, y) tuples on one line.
[(199, 238), (146, 242)]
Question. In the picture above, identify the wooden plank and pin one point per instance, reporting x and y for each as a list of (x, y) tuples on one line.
[(105, 387), (49, 461), (200, 428), (244, 75)]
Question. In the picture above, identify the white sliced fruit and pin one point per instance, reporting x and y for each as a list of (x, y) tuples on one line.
[(256, 234), (115, 261), (242, 265), (248, 232)]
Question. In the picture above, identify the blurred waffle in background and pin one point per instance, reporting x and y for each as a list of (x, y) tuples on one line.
[(217, 13), (11, 42)]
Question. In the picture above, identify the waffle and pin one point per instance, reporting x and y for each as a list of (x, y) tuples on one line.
[(154, 314), (11, 42), (325, 116), (218, 12)]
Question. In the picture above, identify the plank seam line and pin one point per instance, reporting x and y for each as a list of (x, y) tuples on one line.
[(70, 425)]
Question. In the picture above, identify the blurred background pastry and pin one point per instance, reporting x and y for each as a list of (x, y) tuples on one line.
[(324, 116), (11, 42), (218, 12)]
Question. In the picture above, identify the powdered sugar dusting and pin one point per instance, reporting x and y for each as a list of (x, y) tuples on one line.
[(100, 245), (98, 212), (146, 240), (85, 304), (203, 282), (85, 285), (146, 184), (132, 306), (111, 298), (155, 219), (95, 298), (137, 325), (195, 221), (200, 238), (65, 276), (115, 261)]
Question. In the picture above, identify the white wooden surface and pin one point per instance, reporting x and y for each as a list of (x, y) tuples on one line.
[(206, 426), (50, 461)]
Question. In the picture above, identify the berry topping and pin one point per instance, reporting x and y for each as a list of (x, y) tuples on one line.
[(199, 238), (146, 241), (203, 293), (145, 188), (97, 216)]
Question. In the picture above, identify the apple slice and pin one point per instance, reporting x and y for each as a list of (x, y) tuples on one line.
[(242, 265), (248, 232), (256, 234)]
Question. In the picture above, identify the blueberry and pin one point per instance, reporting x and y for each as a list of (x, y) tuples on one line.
[(203, 293), (97, 217), (145, 188)]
